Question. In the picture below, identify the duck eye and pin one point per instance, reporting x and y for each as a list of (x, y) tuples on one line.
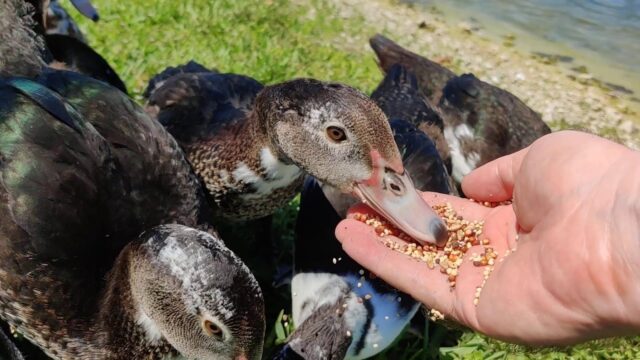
[(336, 134), (212, 329)]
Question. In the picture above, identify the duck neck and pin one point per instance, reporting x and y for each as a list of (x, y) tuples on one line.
[(244, 169), (257, 130), (121, 326)]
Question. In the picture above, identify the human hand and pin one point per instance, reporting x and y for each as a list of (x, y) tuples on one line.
[(575, 221)]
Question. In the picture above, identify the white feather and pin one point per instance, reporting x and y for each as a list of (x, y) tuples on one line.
[(462, 163)]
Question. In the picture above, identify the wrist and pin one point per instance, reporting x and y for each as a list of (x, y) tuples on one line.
[(625, 226)]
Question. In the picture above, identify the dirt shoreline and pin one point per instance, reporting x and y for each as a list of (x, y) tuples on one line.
[(564, 99)]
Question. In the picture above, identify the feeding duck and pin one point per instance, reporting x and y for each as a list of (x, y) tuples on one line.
[(252, 144), (339, 310), (482, 121), (105, 246)]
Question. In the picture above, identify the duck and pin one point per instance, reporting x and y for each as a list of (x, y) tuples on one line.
[(106, 249), (481, 121), (67, 49), (252, 145), (341, 310)]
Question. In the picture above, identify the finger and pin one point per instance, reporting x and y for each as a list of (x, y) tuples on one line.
[(466, 208), (410, 276), (494, 181)]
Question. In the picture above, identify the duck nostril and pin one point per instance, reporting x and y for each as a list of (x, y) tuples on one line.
[(394, 184)]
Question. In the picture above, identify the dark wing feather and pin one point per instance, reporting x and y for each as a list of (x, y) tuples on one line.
[(421, 158), (322, 336), (193, 105), (191, 67), (47, 99), (57, 187), (78, 56), (161, 185), (399, 97), (53, 176), (501, 123), (431, 76)]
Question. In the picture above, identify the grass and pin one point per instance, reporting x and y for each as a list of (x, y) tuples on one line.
[(272, 41)]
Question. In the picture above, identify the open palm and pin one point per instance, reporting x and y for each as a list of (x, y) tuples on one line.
[(574, 224)]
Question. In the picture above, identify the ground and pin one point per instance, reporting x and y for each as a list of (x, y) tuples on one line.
[(276, 40)]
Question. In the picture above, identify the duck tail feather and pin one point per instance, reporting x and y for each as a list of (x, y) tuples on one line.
[(387, 51)]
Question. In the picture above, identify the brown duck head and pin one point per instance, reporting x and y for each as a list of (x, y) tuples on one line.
[(338, 135)]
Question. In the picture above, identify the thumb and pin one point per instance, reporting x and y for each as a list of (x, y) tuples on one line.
[(494, 180)]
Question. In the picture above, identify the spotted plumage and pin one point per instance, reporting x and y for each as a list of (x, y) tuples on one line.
[(241, 173), (252, 145), (93, 263)]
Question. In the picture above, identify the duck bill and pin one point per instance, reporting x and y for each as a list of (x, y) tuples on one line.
[(86, 9), (393, 195)]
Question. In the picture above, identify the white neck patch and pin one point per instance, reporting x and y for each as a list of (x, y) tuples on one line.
[(277, 174), (151, 330)]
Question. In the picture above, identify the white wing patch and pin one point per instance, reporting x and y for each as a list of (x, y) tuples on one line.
[(277, 175), (462, 163)]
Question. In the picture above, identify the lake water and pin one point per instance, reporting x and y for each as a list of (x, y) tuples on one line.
[(602, 35)]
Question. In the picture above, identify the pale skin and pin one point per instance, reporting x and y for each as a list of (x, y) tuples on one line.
[(575, 225)]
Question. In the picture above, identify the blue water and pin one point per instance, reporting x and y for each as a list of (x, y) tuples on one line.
[(606, 28)]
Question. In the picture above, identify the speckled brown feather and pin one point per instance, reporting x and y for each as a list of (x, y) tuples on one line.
[(208, 114), (231, 130), (20, 48)]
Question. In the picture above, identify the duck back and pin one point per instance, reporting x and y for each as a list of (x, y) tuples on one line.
[(431, 76), (57, 179), (159, 182)]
